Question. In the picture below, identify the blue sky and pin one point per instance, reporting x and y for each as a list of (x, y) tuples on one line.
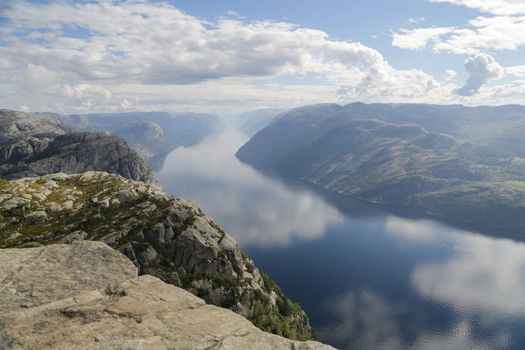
[(369, 22), (230, 55)]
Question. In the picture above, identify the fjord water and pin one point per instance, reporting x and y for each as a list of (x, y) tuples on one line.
[(367, 279)]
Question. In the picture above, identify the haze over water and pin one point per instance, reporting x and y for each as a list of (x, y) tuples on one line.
[(366, 278)]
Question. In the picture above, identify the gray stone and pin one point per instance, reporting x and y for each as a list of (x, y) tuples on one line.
[(39, 146), (74, 236), (15, 202), (125, 195), (36, 217), (87, 296), (45, 274)]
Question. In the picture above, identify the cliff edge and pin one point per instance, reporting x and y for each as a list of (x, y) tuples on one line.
[(86, 295)]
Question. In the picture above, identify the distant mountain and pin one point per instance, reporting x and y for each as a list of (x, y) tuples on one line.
[(152, 134), (33, 146), (464, 164), (251, 122), (14, 124)]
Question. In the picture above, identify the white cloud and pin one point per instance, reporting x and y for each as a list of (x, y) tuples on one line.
[(486, 33), (517, 71), (418, 39), (86, 95), (415, 20), (35, 77), (150, 45), (482, 68), (497, 7), (494, 33), (503, 29), (451, 74)]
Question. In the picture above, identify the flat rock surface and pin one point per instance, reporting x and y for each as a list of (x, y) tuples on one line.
[(35, 276), (79, 305)]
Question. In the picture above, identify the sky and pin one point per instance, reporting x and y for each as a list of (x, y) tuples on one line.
[(228, 56)]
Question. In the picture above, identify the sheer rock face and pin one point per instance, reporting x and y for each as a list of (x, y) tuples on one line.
[(163, 236), (33, 146), (92, 299)]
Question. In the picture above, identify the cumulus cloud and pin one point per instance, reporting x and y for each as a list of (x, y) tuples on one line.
[(482, 33), (517, 71), (415, 20), (141, 44), (451, 74), (418, 39), (34, 77), (494, 33), (482, 68), (497, 7)]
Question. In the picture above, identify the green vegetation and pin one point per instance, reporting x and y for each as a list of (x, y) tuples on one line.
[(438, 160), (286, 318), (95, 219)]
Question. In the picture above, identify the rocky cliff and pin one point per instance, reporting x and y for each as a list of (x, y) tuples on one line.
[(165, 237), (33, 146), (152, 134), (87, 296)]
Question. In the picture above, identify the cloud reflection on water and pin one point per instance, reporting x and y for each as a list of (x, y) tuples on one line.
[(476, 281), (255, 209), (480, 274), (365, 320)]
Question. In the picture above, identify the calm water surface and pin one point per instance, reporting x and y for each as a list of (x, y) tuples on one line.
[(367, 279)]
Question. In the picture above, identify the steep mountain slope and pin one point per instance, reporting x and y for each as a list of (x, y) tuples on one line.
[(86, 295), (400, 155), (32, 146), (152, 134), (250, 122), (165, 237)]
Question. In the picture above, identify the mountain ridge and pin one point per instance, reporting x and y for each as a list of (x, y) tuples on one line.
[(423, 157), (33, 146)]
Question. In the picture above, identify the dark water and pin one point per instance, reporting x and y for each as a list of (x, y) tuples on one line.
[(367, 279)]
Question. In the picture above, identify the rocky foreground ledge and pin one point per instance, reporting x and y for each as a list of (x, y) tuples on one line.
[(163, 236), (86, 295)]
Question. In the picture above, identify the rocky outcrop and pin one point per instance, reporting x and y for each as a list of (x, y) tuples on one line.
[(14, 125), (163, 236), (87, 296), (33, 146), (152, 134)]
